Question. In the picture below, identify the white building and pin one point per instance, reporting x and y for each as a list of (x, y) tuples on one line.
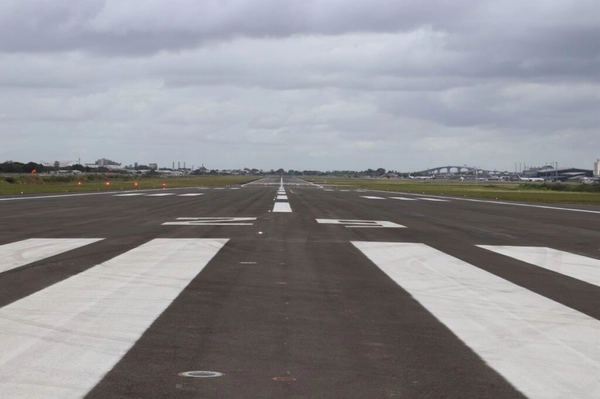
[(597, 168)]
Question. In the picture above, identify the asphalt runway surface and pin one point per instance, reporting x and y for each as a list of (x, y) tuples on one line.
[(285, 289)]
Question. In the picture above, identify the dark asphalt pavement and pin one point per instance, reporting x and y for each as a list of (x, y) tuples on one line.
[(293, 308)]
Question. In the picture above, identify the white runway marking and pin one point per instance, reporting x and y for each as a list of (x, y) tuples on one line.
[(404, 198), (59, 342), (160, 195), (282, 197), (361, 223), (371, 197), (21, 253), (543, 348), (129, 195), (576, 266), (282, 207), (190, 194), (211, 221), (433, 199)]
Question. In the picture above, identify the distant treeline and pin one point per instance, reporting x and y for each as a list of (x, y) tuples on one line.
[(19, 167)]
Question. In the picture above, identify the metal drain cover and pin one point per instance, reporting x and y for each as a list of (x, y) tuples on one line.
[(201, 374)]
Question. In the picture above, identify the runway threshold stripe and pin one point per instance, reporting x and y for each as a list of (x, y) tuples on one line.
[(542, 347), (568, 264), (21, 253), (282, 207), (61, 341)]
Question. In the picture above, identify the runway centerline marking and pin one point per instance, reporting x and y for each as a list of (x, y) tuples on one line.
[(211, 221), (61, 341), (21, 253), (361, 223), (543, 348), (568, 264), (282, 207)]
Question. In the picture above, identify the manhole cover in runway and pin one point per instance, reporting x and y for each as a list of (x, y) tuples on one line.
[(201, 374)]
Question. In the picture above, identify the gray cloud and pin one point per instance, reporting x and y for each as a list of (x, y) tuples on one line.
[(317, 84)]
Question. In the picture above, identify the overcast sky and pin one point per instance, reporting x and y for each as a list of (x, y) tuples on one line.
[(301, 84)]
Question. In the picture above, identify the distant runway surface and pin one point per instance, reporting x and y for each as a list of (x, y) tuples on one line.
[(285, 289)]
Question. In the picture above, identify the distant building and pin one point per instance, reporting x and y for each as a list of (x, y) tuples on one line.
[(153, 166), (597, 168), (106, 162)]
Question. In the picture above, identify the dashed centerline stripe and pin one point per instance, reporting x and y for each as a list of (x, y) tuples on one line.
[(282, 207)]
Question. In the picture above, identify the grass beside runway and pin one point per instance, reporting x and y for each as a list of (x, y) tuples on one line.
[(17, 185), (509, 191)]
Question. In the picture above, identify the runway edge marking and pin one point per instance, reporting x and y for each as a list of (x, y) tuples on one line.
[(543, 348)]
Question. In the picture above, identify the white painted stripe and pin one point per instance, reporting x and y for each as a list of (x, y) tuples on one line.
[(59, 342), (282, 207), (21, 253), (282, 197), (433, 199), (82, 194), (353, 223), (190, 195), (371, 197), (576, 266), (160, 194), (128, 195), (543, 348), (327, 189), (403, 198), (219, 188), (556, 208)]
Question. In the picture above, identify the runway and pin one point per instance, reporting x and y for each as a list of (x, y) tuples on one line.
[(285, 289)]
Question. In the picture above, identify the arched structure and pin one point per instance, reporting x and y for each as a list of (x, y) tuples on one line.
[(448, 169)]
